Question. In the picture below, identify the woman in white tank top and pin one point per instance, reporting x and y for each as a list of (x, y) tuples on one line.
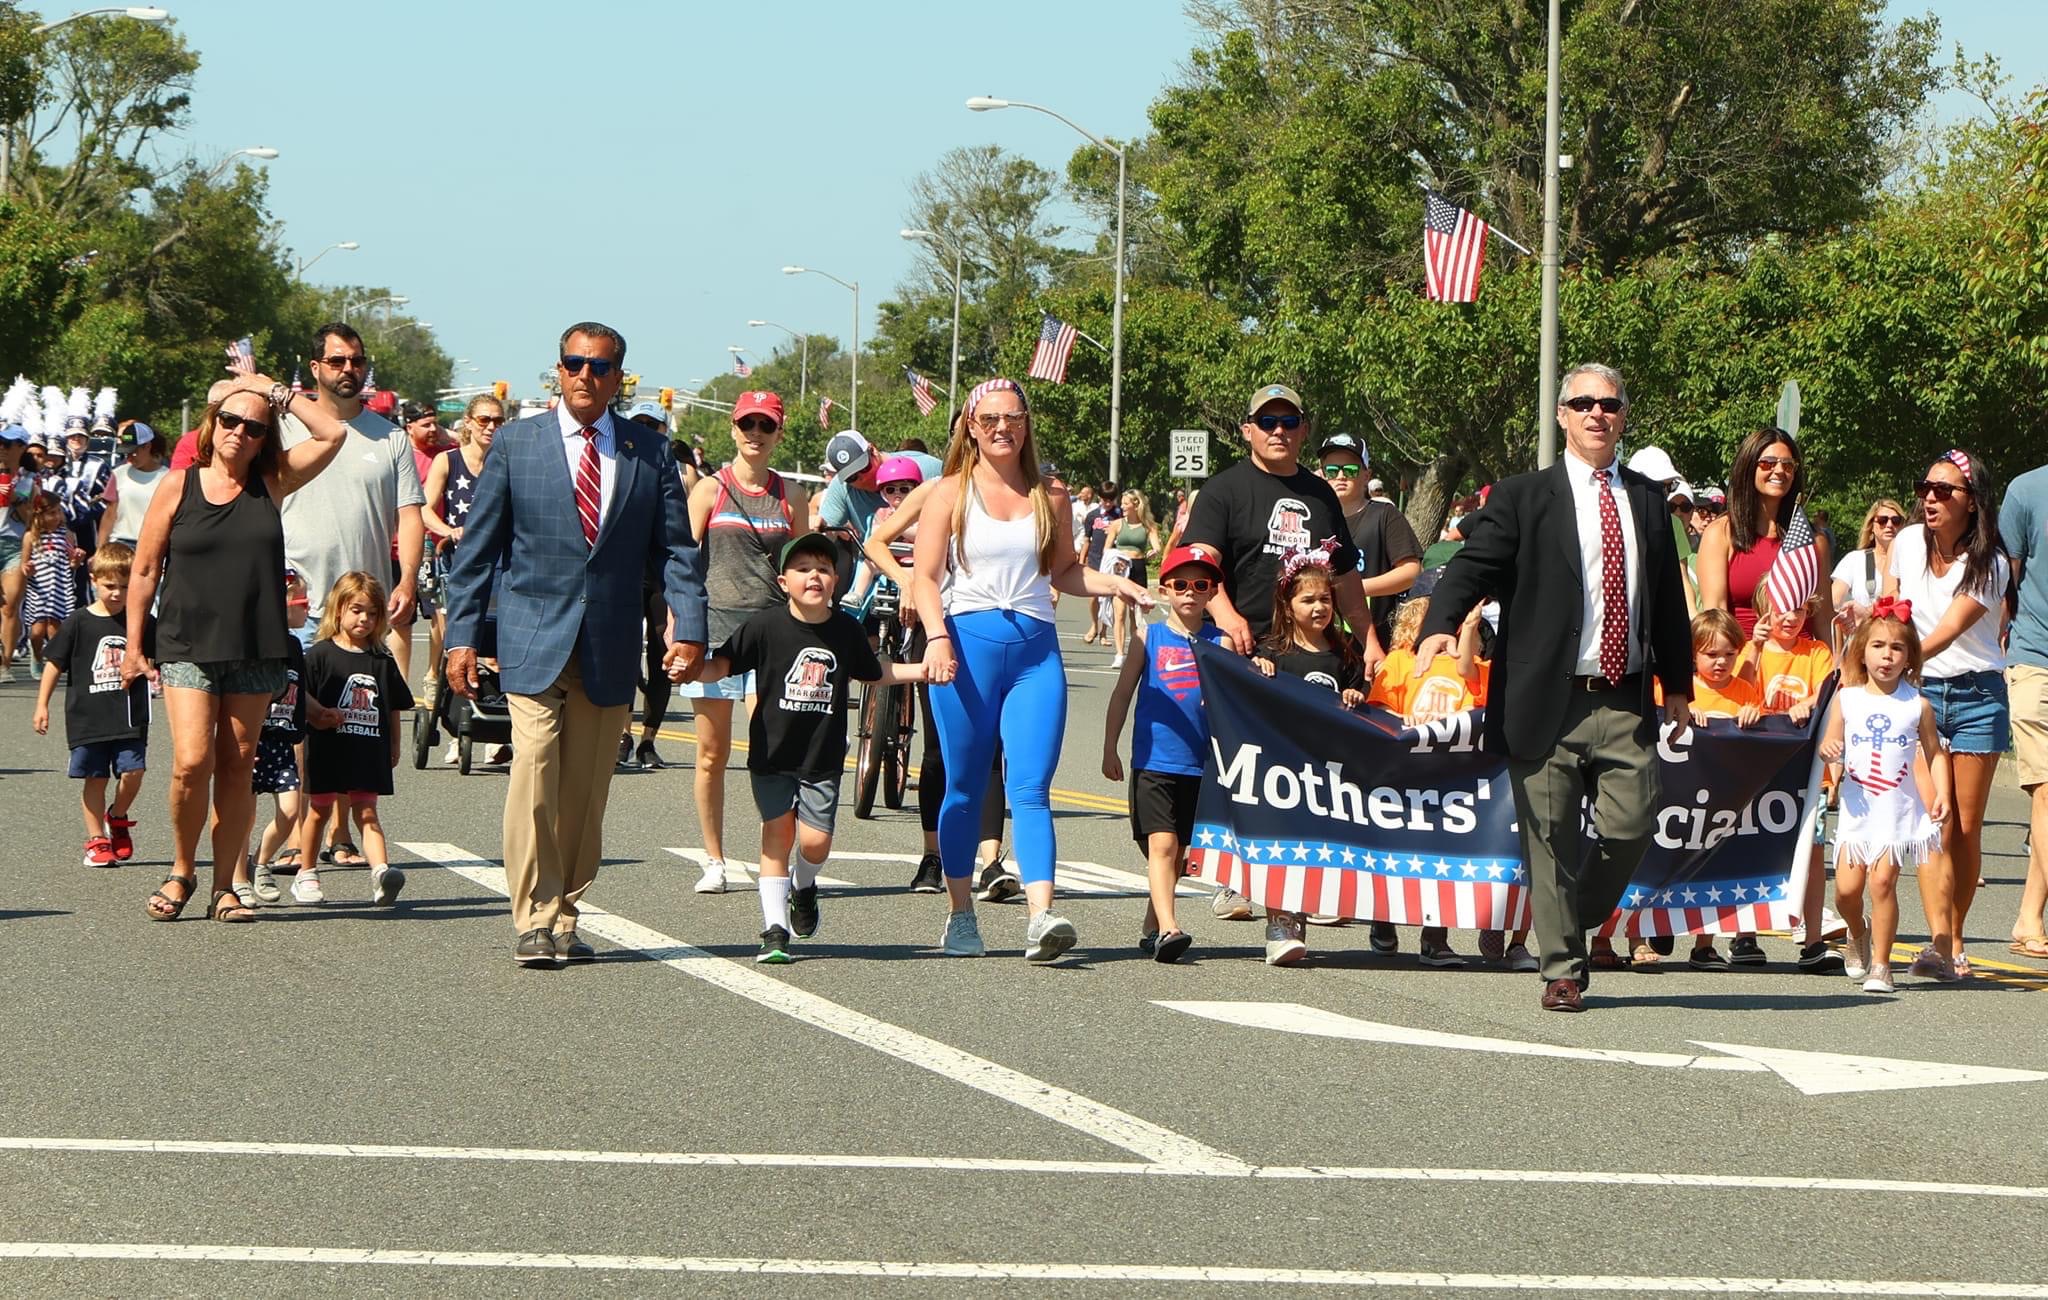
[(991, 547)]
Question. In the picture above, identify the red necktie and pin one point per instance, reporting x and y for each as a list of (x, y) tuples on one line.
[(1613, 584), (589, 488)]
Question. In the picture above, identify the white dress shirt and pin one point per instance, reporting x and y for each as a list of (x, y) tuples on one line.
[(1586, 506), (607, 455)]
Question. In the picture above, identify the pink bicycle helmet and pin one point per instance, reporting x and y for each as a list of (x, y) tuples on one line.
[(898, 469)]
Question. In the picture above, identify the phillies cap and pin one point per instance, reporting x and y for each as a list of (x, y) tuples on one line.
[(758, 403), (1274, 393), (847, 454), (1194, 553), (807, 544)]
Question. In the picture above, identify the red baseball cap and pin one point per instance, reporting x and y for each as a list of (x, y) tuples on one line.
[(1195, 553), (758, 403)]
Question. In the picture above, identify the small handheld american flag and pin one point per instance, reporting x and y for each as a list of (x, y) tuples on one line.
[(1795, 575), (1056, 341), (921, 392), (1453, 250)]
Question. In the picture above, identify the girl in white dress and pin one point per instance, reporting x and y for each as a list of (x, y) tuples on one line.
[(1876, 725)]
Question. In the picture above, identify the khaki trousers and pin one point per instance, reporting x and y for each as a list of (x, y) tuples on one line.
[(1609, 752), (563, 750)]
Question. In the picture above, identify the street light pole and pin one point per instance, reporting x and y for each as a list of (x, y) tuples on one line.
[(346, 246), (1546, 379), (140, 13), (389, 300), (984, 103), (803, 365), (255, 151), (853, 399), (959, 263)]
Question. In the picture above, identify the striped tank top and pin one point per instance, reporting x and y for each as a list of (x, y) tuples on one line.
[(742, 541)]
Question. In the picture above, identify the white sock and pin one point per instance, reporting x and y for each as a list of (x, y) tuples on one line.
[(774, 902), (804, 872)]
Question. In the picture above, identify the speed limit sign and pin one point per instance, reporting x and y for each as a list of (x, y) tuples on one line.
[(1189, 453)]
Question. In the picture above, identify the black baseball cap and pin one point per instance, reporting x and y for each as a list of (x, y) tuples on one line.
[(1344, 442)]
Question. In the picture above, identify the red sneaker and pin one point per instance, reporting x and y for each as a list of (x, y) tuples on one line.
[(99, 852), (124, 846)]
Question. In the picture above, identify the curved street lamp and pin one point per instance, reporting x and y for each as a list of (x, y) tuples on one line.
[(853, 402), (803, 365), (254, 151), (983, 104), (346, 246), (389, 300)]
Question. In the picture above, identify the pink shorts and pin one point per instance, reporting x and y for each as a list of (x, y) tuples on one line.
[(356, 798)]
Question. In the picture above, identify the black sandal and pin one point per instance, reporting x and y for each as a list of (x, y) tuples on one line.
[(177, 905), (227, 907), (286, 863), (332, 853)]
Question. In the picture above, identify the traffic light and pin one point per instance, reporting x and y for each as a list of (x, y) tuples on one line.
[(501, 390), (668, 399)]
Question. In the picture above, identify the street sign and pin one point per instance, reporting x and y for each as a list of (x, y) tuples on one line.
[(1189, 453), (450, 406), (1788, 407)]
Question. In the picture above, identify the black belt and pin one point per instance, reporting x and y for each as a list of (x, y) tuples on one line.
[(1596, 684)]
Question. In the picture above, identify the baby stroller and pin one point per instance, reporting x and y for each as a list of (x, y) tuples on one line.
[(485, 720)]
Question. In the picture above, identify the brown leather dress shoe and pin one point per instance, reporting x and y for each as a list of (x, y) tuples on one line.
[(536, 948), (569, 948), (1562, 995)]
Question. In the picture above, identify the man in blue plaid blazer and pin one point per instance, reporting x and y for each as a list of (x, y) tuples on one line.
[(572, 510)]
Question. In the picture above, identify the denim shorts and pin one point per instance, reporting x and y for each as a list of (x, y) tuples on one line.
[(10, 553), (104, 758), (738, 686), (1971, 711), (227, 676)]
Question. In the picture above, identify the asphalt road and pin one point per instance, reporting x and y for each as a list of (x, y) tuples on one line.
[(337, 1101)]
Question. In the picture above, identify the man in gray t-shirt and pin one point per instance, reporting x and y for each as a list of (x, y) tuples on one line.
[(2023, 522)]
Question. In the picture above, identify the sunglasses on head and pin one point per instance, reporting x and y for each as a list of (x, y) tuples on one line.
[(1343, 471), (250, 428), (1196, 585), (347, 363), (1928, 487), (1271, 422), (757, 424), (599, 366), (1887, 521), (1611, 405)]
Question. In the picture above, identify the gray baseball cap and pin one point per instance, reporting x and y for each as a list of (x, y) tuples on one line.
[(847, 454)]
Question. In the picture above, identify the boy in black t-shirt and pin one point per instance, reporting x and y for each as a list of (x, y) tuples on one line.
[(106, 725), (802, 656)]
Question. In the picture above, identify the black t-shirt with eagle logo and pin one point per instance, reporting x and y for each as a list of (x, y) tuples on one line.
[(89, 648), (366, 686), (801, 671)]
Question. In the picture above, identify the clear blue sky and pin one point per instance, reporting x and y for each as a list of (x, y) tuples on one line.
[(515, 166)]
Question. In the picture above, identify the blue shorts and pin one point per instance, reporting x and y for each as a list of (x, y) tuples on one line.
[(105, 758), (1971, 712), (738, 686)]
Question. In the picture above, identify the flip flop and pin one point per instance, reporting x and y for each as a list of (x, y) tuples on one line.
[(333, 853), (2034, 945)]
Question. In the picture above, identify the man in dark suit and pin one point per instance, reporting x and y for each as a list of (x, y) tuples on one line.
[(572, 510), (1592, 611)]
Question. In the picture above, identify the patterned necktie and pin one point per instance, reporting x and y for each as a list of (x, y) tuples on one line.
[(1613, 584), (589, 487)]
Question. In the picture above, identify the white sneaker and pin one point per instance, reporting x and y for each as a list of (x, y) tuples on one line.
[(963, 935), (713, 879), (1284, 944), (306, 887), (1047, 936), (1229, 905), (454, 754), (263, 881), (1856, 957), (1879, 980), (1117, 662), (1832, 926), (7, 677), (385, 882)]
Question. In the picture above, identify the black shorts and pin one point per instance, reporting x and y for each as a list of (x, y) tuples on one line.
[(1163, 802)]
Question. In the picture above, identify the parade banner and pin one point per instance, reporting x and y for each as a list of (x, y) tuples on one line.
[(1309, 807)]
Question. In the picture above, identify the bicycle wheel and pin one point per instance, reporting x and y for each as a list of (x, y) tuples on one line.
[(896, 767), (867, 767)]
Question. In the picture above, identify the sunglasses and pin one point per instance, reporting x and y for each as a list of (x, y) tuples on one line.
[(896, 489), (1887, 521), (599, 366), (1611, 405), (1928, 487), (757, 424), (1769, 463), (250, 428), (1343, 471), (487, 421), (347, 363), (997, 419), (1268, 423), (1199, 586)]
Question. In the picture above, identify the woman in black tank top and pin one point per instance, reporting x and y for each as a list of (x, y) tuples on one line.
[(212, 548)]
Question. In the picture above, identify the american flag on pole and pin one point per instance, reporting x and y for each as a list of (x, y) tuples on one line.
[(298, 385), (1056, 341), (921, 392), (825, 413), (1795, 575), (1453, 250), (370, 379), (740, 366)]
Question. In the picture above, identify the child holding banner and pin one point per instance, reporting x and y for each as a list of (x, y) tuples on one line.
[(1718, 692), (1877, 723), (1169, 739)]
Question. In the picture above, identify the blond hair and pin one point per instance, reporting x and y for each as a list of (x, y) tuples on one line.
[(1408, 622), (965, 454), (348, 587), (114, 560)]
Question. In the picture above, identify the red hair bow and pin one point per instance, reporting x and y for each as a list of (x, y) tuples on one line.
[(1893, 607)]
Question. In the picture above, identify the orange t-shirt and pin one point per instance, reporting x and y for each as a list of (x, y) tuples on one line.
[(1443, 689), (1724, 702), (1786, 677)]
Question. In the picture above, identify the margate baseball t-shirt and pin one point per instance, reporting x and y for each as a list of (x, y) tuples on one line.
[(801, 671)]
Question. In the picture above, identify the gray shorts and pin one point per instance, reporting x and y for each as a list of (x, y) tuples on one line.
[(816, 800), (227, 676)]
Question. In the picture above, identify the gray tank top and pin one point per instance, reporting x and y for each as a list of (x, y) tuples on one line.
[(742, 540)]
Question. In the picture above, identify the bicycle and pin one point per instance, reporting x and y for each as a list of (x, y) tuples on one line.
[(888, 714)]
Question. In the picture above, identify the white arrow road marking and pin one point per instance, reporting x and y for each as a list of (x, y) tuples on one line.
[(1813, 1073)]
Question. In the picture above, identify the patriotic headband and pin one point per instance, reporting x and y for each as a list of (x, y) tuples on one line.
[(987, 386), (1304, 557), (1959, 459)]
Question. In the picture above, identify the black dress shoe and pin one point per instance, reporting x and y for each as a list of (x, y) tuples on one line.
[(1562, 995), (570, 948), (649, 759), (535, 948)]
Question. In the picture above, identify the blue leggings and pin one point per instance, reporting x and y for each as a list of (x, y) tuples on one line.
[(1012, 687)]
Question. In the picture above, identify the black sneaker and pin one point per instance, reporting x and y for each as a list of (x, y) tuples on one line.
[(625, 753), (774, 947), (803, 911), (998, 883), (649, 759), (1746, 951), (1385, 938), (930, 877), (1708, 958), (1819, 959)]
